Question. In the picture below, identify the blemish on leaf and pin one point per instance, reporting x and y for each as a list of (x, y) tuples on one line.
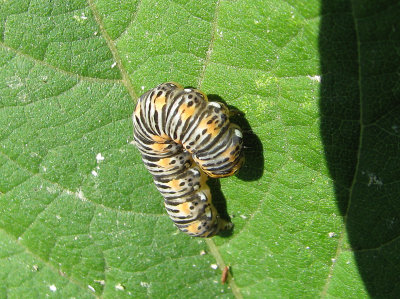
[(99, 157), (224, 274), (119, 287), (144, 284), (314, 78)]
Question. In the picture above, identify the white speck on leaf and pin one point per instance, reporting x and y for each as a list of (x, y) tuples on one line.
[(51, 190), (144, 284), (113, 65), (202, 252), (53, 288), (76, 18), (94, 173), (331, 234), (91, 288), (81, 195), (314, 78), (99, 157), (14, 82), (119, 287), (100, 281), (374, 180), (214, 266)]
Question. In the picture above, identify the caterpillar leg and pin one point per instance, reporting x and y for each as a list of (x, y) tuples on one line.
[(235, 112), (224, 225)]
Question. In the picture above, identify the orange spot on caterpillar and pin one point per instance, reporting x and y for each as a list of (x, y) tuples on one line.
[(186, 111), (160, 139), (211, 128), (164, 163), (137, 110), (174, 184), (194, 227), (185, 208), (159, 147), (160, 102)]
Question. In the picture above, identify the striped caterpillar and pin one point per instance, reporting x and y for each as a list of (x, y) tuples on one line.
[(183, 139)]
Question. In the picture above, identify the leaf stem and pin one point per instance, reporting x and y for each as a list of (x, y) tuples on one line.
[(221, 264)]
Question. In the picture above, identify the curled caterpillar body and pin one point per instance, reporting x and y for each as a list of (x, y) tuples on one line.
[(183, 139)]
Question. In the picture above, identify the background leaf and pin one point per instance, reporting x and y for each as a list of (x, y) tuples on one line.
[(315, 207)]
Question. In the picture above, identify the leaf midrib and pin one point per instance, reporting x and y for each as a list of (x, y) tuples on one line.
[(111, 45)]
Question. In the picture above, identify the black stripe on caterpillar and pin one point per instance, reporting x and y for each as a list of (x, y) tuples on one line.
[(183, 139)]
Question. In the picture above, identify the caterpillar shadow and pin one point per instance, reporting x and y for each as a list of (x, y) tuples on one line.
[(253, 166)]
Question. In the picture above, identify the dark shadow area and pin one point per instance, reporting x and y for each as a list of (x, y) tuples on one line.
[(253, 166), (219, 202), (360, 126)]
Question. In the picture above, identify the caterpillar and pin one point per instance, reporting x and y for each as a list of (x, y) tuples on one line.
[(184, 139)]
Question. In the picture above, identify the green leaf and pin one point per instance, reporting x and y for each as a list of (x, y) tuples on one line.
[(315, 206)]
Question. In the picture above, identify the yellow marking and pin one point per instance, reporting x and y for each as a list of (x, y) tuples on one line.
[(177, 84), (211, 128), (174, 184), (227, 153), (137, 110), (159, 147), (204, 95), (159, 102), (193, 228), (164, 163), (160, 139), (203, 124), (186, 111), (184, 207), (203, 179)]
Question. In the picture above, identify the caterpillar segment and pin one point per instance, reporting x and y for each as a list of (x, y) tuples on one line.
[(184, 139)]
